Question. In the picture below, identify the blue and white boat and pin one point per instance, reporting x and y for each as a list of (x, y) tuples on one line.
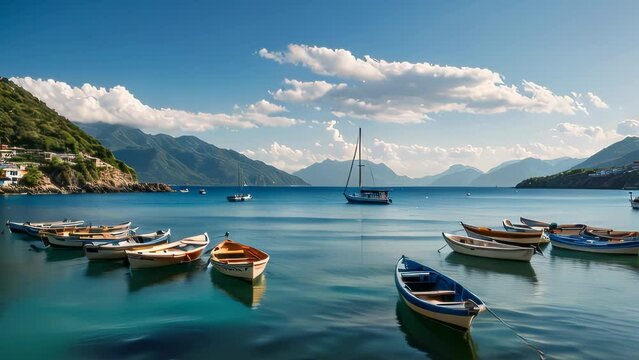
[(362, 195), (33, 228), (435, 295), (595, 245)]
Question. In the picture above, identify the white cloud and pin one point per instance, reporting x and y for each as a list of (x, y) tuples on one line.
[(591, 132), (628, 127), (405, 92), (117, 105), (596, 101)]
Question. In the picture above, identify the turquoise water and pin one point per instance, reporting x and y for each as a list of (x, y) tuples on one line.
[(328, 291)]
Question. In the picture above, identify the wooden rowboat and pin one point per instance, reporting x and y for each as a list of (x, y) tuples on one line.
[(178, 252), (563, 229), (612, 234), (512, 238), (78, 240), (84, 230), (33, 228), (488, 249), (238, 260), (509, 226), (436, 296), (117, 250), (594, 245)]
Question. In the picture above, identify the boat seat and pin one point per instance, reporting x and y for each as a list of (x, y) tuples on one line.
[(232, 252), (435, 292), (407, 274), (236, 259)]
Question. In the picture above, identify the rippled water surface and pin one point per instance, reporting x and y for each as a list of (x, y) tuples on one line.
[(328, 291)]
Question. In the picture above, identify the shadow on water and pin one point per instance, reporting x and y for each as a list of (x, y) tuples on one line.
[(247, 293), (437, 340), (141, 278), (476, 264), (54, 255), (585, 258), (101, 268)]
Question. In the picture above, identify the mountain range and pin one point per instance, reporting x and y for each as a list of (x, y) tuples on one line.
[(184, 159), (333, 173)]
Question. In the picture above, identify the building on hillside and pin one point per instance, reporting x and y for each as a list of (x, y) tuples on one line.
[(6, 153), (48, 156), (11, 173), (97, 162)]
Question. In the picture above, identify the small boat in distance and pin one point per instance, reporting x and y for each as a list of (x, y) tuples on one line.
[(436, 296), (238, 260), (239, 196), (185, 190), (634, 202), (177, 252), (202, 192), (488, 249), (364, 196)]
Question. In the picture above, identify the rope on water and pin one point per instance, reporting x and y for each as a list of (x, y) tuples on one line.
[(539, 352)]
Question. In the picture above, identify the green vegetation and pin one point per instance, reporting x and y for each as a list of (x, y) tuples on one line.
[(27, 122), (33, 177), (579, 179)]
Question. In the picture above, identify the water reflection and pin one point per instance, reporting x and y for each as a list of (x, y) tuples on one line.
[(54, 255), (585, 259), (247, 293), (101, 268), (141, 278), (476, 264), (437, 340)]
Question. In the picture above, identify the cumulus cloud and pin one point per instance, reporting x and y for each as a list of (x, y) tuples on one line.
[(591, 132), (628, 127), (117, 105), (405, 92), (596, 101)]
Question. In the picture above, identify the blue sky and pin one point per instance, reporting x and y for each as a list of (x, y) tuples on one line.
[(437, 109)]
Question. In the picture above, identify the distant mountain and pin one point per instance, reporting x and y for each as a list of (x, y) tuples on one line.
[(514, 172), (334, 173), (184, 159), (456, 175), (621, 153)]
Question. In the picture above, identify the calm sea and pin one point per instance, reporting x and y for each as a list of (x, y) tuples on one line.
[(328, 291)]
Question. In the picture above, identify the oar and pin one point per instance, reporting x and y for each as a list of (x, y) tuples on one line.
[(442, 247)]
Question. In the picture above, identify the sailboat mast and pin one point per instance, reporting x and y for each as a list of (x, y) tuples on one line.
[(360, 158)]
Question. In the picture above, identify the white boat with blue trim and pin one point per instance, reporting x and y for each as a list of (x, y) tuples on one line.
[(595, 245), (34, 228), (117, 250), (435, 295)]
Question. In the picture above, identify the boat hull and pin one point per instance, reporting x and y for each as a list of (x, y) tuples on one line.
[(137, 261), (34, 230), (594, 246), (522, 239), (634, 204), (462, 323), (356, 199), (247, 271), (515, 253)]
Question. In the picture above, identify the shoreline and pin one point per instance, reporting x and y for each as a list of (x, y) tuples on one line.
[(86, 189)]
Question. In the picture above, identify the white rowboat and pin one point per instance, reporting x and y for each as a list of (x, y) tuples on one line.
[(488, 249)]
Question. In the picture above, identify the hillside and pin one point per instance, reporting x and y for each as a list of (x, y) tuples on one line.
[(456, 175), (184, 159), (334, 173), (27, 122), (621, 153), (579, 179), (515, 171)]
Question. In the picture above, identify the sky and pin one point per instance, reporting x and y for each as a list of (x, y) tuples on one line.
[(431, 83)]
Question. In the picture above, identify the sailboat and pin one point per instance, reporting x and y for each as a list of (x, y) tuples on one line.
[(362, 195), (239, 196)]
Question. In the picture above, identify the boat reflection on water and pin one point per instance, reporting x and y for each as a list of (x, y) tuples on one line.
[(53, 255), (437, 340), (586, 259), (477, 264), (248, 293), (101, 268), (141, 278)]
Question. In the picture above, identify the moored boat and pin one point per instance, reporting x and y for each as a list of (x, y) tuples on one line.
[(509, 226), (612, 234), (202, 192), (177, 252), (595, 245), (564, 229), (488, 249), (634, 202), (436, 296), (33, 228), (83, 230), (513, 238), (117, 250), (238, 260), (239, 197), (71, 239), (362, 195)]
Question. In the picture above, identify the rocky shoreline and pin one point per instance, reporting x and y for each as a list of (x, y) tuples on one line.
[(88, 188)]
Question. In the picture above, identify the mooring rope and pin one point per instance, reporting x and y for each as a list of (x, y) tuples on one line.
[(539, 352)]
